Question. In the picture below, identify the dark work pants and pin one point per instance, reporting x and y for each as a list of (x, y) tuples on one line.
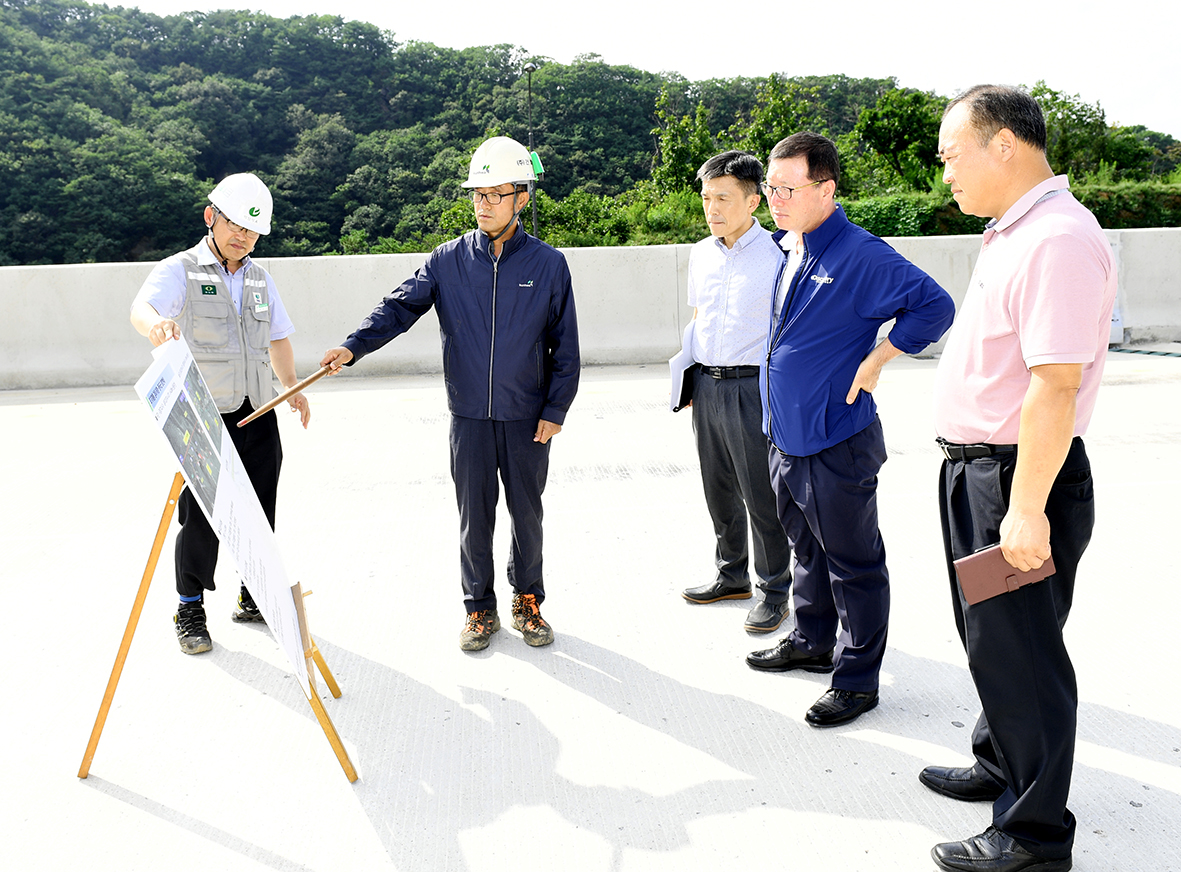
[(196, 544), (479, 450), (828, 505), (1024, 737), (732, 450)]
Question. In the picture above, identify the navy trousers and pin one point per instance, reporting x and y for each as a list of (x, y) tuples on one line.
[(480, 450), (731, 447), (828, 506), (262, 457), (1024, 737)]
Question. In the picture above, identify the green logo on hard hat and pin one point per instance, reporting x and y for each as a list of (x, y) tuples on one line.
[(486, 168), (254, 213)]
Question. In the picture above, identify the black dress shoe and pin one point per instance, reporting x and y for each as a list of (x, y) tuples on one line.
[(993, 851), (714, 593), (785, 656), (966, 784), (840, 706), (766, 617)]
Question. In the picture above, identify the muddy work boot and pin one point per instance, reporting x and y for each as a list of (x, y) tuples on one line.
[(247, 612), (527, 618), (478, 630), (190, 628)]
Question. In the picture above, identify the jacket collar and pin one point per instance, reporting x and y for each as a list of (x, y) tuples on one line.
[(481, 241), (819, 238)]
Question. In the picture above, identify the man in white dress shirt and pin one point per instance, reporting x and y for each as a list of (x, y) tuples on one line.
[(731, 283)]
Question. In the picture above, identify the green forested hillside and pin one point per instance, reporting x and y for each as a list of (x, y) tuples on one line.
[(114, 123)]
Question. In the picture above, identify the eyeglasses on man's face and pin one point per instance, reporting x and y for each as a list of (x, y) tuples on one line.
[(493, 197), (783, 192), (236, 229)]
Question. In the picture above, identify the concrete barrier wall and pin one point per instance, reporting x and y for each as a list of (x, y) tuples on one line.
[(67, 326)]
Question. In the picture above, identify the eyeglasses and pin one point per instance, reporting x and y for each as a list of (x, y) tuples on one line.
[(783, 192), (493, 197), (235, 229)]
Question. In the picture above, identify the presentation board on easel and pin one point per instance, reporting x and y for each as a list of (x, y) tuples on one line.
[(187, 417), (186, 414)]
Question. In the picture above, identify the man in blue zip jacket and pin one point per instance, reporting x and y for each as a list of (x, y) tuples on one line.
[(511, 365), (839, 285)]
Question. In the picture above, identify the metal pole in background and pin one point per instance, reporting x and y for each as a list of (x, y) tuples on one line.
[(529, 68)]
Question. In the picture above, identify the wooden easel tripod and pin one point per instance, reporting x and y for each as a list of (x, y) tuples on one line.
[(311, 652)]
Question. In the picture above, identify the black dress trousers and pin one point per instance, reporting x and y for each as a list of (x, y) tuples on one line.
[(1025, 735)]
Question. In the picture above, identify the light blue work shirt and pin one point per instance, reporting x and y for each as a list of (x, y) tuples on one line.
[(731, 289)]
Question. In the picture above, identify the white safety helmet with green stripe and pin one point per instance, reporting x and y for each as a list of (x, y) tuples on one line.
[(245, 200), (498, 161)]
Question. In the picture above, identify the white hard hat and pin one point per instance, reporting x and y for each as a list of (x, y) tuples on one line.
[(500, 160), (245, 200)]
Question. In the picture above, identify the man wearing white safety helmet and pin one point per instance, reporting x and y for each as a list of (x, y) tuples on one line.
[(511, 364), (227, 308)]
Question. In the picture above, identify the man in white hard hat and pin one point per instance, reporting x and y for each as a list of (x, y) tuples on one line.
[(511, 365), (227, 308)]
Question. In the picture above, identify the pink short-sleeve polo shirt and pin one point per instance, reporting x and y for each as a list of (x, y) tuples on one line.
[(1042, 292)]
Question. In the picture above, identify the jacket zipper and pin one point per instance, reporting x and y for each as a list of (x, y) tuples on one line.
[(787, 301), (492, 344)]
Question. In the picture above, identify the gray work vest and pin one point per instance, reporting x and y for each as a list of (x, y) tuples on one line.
[(232, 351)]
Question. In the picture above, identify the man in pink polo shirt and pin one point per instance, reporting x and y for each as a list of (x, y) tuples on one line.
[(1014, 393)]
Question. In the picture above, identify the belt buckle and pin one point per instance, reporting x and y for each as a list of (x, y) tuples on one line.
[(951, 450)]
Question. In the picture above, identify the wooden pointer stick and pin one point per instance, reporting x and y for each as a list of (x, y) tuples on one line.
[(290, 392)]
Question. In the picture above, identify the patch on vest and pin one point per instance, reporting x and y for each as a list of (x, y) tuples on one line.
[(209, 290)]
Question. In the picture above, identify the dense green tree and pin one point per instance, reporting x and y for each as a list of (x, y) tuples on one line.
[(308, 211), (841, 100), (114, 123), (592, 124), (1165, 150), (782, 107), (1079, 142), (903, 128), (684, 143)]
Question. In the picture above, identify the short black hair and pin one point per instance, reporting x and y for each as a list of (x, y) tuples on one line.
[(743, 166), (992, 107), (823, 162)]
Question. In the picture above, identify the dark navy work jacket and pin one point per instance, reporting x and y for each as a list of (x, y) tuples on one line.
[(849, 284), (510, 335)]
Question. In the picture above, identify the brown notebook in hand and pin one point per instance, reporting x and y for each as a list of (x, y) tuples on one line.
[(986, 574)]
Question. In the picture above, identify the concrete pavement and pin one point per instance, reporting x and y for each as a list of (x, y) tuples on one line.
[(638, 741)]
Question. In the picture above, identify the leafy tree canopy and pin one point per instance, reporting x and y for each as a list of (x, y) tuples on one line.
[(115, 123)]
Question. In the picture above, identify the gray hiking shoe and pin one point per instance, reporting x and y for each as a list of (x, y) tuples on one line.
[(190, 628), (527, 618), (247, 612), (478, 630)]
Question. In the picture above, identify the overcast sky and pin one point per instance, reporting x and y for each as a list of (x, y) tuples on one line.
[(1121, 55)]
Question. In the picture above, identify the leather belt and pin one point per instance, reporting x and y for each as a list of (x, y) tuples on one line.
[(730, 371), (975, 451)]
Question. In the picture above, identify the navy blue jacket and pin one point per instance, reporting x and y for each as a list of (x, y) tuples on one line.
[(849, 284), (510, 336)]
